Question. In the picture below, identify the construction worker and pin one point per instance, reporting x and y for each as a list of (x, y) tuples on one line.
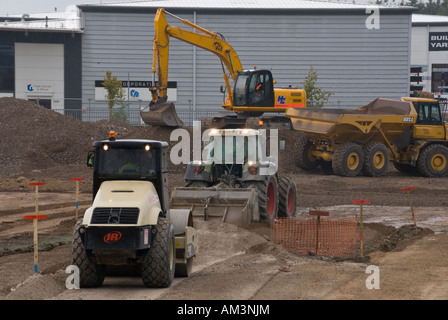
[(130, 164)]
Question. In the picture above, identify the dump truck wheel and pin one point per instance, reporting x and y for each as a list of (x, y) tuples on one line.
[(302, 155), (433, 161), (348, 159), (158, 265), (90, 274), (267, 192), (287, 194), (376, 159)]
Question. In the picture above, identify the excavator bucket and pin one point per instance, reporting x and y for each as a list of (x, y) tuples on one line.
[(237, 206), (161, 114)]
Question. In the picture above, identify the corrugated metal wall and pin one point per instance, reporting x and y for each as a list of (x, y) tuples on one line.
[(356, 63)]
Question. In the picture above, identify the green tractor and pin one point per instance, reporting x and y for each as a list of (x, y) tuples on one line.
[(236, 182)]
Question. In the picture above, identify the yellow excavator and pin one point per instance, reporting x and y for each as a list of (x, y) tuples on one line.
[(253, 92)]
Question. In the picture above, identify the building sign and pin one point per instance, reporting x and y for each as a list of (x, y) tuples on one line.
[(438, 41), (135, 90), (39, 88)]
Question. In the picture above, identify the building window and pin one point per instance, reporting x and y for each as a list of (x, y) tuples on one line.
[(439, 79), (6, 68)]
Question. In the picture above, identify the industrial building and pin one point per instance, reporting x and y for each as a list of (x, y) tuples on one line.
[(40, 58), (359, 52), (429, 58)]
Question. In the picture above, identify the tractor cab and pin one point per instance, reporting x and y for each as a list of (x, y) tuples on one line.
[(234, 156)]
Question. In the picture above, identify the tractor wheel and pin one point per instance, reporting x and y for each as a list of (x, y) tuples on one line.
[(433, 161), (376, 159), (267, 192), (302, 156), (348, 160), (90, 274), (287, 194), (158, 265)]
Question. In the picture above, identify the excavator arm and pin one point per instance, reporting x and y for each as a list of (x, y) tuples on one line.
[(205, 39), (254, 89)]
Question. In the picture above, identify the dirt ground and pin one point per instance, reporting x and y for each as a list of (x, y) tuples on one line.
[(233, 263)]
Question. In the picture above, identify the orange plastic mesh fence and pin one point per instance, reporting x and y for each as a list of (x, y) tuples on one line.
[(328, 236)]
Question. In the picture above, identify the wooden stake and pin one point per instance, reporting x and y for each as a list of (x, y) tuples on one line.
[(408, 189), (361, 202), (77, 193), (318, 214)]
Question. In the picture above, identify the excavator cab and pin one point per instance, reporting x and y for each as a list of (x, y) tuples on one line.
[(254, 88)]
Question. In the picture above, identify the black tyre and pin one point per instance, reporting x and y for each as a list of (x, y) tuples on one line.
[(376, 159), (287, 194), (433, 161), (348, 160), (267, 191), (302, 156), (90, 274), (158, 265)]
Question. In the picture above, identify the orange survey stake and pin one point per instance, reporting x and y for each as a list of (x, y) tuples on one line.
[(361, 202), (36, 217)]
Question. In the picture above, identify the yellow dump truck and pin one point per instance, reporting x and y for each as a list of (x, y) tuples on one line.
[(409, 132)]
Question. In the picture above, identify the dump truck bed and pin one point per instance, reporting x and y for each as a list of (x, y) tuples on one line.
[(391, 116)]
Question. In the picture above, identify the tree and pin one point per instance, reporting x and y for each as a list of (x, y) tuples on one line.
[(115, 94), (315, 96)]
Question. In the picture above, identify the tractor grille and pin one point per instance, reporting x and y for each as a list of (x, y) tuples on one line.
[(115, 216)]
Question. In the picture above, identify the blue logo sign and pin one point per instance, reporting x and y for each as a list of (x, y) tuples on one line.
[(281, 99), (134, 93), (29, 88)]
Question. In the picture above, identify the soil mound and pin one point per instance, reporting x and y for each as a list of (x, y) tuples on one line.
[(403, 236), (34, 138)]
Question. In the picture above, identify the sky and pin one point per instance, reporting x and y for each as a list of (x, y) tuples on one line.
[(37, 6)]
